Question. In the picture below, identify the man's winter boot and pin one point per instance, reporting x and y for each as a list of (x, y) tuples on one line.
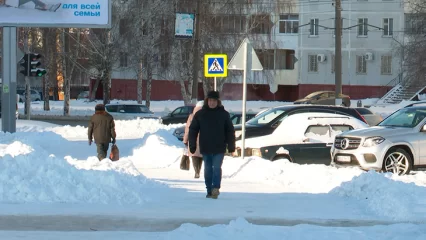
[(215, 193)]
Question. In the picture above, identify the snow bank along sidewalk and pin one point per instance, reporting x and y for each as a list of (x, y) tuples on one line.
[(50, 179)]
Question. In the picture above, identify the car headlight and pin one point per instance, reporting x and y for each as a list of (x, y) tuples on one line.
[(256, 152), (372, 141), (238, 134)]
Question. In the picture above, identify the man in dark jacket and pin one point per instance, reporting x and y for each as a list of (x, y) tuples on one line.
[(102, 128), (214, 125)]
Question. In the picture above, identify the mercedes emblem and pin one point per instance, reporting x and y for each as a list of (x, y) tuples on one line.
[(344, 143)]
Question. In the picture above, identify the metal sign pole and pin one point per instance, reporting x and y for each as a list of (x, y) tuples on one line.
[(247, 67), (8, 89), (215, 84)]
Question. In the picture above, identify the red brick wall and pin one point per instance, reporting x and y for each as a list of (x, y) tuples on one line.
[(160, 90), (170, 90)]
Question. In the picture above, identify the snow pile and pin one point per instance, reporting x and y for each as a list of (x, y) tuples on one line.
[(125, 129), (158, 150), (34, 174), (287, 176), (385, 197), (15, 149)]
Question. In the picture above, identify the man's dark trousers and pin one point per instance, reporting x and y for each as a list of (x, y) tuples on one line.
[(102, 149)]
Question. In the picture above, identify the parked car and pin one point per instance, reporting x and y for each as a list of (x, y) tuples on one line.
[(179, 115), (324, 98), (129, 111), (304, 138), (35, 95), (83, 95), (236, 118), (266, 122), (397, 144), (372, 118)]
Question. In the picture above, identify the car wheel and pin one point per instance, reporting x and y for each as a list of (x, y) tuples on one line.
[(397, 161)]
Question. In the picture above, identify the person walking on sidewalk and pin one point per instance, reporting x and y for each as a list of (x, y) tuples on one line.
[(216, 133), (197, 157), (102, 128)]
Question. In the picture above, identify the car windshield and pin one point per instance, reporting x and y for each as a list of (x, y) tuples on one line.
[(312, 95), (406, 117), (134, 109), (266, 117), (363, 111)]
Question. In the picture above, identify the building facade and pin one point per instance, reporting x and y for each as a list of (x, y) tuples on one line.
[(372, 32), (294, 42)]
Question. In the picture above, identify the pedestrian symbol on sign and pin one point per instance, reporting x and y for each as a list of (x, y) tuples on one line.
[(215, 67)]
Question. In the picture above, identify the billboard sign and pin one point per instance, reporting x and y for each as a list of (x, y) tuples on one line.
[(184, 25), (55, 13)]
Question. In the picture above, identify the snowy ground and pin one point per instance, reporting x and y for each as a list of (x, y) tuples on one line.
[(48, 173)]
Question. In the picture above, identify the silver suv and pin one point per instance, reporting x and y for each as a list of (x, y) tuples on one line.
[(397, 144)]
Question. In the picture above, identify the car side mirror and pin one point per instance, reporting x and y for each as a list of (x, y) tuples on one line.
[(424, 128)]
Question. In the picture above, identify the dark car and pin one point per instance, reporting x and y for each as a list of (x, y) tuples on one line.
[(324, 98), (266, 122), (179, 115), (236, 118), (372, 118)]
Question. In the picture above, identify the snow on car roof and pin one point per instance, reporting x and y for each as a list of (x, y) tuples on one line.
[(292, 128)]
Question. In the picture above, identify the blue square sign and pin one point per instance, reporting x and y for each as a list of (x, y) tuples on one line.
[(215, 65)]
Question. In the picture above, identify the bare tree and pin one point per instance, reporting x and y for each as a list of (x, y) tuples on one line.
[(415, 48), (223, 25), (103, 49), (152, 24)]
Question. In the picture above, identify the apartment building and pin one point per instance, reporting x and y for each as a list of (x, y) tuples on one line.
[(372, 32)]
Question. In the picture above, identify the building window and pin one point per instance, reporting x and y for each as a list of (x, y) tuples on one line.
[(289, 24), (123, 59), (386, 65), (333, 62), (260, 24), (266, 58), (284, 59), (387, 26), (314, 27), (361, 65), (313, 63), (362, 26)]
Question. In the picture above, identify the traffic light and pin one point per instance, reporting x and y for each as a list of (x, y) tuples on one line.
[(35, 71), (30, 64), (24, 64)]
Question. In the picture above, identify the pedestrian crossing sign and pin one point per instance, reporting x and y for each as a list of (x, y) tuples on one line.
[(215, 65)]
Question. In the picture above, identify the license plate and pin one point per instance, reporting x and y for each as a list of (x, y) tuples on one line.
[(343, 158)]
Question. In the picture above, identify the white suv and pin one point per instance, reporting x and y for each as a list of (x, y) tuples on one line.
[(397, 144)]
